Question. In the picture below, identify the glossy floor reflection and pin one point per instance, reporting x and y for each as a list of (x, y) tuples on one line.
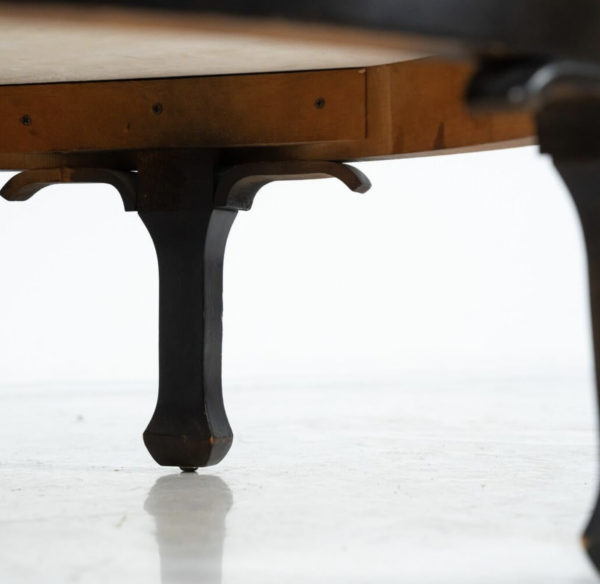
[(424, 481), (190, 512)]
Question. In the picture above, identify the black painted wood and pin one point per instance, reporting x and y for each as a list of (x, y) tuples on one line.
[(582, 177), (25, 185), (240, 184), (561, 122), (188, 208), (189, 218), (189, 427)]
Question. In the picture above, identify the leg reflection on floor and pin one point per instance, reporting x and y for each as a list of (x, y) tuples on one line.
[(190, 512)]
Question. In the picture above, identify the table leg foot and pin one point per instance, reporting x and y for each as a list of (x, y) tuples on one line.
[(591, 538)]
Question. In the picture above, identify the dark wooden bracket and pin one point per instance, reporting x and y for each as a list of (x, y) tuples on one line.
[(26, 184), (188, 207), (239, 185)]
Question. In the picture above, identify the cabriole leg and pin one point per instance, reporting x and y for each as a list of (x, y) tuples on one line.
[(583, 179), (564, 98)]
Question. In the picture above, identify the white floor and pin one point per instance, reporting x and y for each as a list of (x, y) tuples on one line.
[(422, 481)]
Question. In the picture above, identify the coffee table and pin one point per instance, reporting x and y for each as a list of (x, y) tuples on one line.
[(188, 108)]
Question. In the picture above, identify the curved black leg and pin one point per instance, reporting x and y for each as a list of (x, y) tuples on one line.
[(583, 179), (189, 219), (564, 98)]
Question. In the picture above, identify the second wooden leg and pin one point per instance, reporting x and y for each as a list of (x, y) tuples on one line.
[(583, 179)]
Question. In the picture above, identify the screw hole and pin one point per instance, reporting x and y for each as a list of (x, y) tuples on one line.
[(26, 120), (320, 103), (157, 108)]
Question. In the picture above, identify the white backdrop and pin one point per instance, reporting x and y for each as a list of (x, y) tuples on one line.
[(470, 264)]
